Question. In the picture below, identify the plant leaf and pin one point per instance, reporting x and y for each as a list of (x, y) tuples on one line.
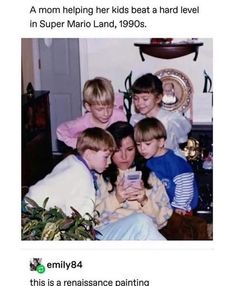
[(45, 202), (31, 202)]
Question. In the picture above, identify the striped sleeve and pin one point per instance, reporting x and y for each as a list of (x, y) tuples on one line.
[(183, 191)]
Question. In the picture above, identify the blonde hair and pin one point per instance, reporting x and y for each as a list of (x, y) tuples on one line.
[(149, 128), (95, 139), (98, 91)]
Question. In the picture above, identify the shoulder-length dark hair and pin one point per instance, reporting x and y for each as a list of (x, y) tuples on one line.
[(121, 130), (148, 83)]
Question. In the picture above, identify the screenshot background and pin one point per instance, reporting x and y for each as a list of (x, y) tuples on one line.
[(197, 262)]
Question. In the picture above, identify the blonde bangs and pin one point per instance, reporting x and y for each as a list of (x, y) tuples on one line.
[(149, 128), (98, 91), (141, 136), (103, 98)]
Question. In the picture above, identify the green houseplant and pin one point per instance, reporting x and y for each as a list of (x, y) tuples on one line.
[(41, 224)]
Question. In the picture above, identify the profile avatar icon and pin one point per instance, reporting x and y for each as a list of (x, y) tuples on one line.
[(34, 263)]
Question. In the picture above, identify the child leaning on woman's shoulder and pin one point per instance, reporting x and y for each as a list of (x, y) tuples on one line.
[(174, 172), (72, 182)]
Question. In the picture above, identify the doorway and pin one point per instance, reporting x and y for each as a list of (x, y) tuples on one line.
[(60, 74)]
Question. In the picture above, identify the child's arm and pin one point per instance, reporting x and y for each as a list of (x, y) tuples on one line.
[(178, 128), (68, 132), (184, 191)]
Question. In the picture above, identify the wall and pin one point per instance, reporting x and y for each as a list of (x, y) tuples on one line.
[(30, 71), (27, 74), (115, 58)]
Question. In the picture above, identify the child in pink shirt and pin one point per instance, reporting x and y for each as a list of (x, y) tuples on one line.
[(98, 100)]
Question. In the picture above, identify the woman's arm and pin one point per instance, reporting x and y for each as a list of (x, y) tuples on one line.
[(105, 200), (157, 205)]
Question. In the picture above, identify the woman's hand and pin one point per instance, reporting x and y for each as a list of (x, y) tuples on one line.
[(121, 191), (136, 192)]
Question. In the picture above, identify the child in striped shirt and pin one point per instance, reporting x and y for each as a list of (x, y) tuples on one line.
[(174, 172)]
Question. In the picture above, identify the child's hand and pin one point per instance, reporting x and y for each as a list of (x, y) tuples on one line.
[(180, 211)]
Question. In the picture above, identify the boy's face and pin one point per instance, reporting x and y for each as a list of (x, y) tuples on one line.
[(100, 113), (146, 103), (150, 148), (100, 160)]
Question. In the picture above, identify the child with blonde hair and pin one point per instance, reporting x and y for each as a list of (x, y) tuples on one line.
[(174, 172), (98, 100), (72, 182)]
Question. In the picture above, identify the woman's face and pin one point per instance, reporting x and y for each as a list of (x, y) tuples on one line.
[(125, 155)]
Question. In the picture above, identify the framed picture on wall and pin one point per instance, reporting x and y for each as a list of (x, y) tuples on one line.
[(177, 90)]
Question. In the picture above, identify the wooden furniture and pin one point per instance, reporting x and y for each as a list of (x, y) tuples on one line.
[(36, 137), (169, 51), (204, 134)]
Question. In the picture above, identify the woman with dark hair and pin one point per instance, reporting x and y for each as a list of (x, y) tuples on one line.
[(127, 187), (123, 134)]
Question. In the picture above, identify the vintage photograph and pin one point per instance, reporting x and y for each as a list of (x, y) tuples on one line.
[(117, 139)]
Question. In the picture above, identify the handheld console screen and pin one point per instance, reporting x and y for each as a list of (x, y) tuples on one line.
[(132, 177)]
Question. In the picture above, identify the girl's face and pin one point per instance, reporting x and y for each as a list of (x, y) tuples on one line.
[(100, 113), (147, 103), (125, 155)]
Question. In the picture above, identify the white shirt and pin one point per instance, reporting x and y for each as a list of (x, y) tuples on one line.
[(69, 184), (177, 126)]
